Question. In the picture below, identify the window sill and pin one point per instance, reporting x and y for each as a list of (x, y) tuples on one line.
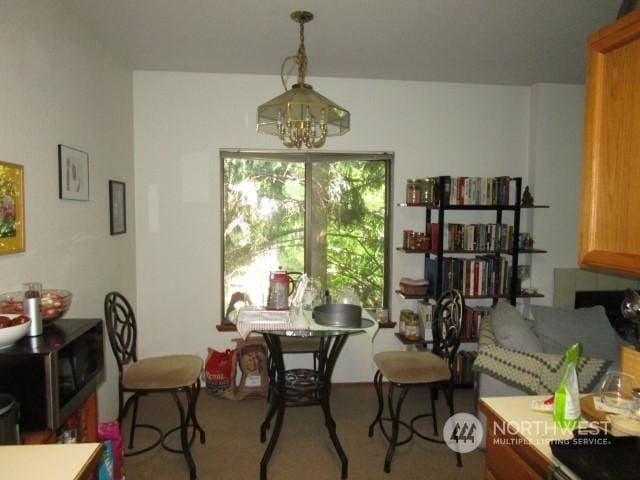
[(227, 327)]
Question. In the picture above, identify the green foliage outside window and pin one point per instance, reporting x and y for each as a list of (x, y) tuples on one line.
[(264, 224)]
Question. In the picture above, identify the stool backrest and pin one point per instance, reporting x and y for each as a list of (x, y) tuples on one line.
[(121, 328), (447, 325)]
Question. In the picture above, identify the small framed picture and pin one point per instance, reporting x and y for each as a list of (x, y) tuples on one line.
[(11, 208), (117, 207), (73, 171)]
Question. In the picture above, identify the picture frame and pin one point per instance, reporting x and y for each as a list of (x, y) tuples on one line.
[(117, 207), (73, 173), (12, 236)]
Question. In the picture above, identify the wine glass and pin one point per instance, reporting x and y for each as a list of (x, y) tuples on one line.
[(616, 390)]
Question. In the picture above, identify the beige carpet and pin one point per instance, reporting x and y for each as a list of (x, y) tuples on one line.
[(304, 450)]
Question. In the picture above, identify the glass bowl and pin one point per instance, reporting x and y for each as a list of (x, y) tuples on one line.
[(12, 333), (53, 303)]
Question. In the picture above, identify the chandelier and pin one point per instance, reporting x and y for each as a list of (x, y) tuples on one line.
[(301, 116)]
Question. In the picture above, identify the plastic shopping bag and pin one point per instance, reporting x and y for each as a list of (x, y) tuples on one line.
[(105, 469), (566, 405), (217, 372), (110, 431)]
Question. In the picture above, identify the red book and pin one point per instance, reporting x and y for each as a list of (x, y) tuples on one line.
[(461, 190), (476, 278), (434, 232), (467, 277)]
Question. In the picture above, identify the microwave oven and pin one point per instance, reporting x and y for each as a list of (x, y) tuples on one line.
[(53, 374)]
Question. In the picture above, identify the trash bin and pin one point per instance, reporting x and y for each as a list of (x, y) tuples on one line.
[(9, 420)]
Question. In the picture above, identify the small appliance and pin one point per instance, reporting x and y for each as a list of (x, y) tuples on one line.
[(280, 287), (53, 374)]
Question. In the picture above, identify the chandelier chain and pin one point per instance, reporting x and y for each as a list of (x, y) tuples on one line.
[(301, 58)]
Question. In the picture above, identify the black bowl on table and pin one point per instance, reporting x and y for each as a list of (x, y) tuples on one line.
[(338, 315)]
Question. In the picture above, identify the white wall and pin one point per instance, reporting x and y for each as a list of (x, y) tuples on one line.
[(59, 86), (555, 177), (181, 120)]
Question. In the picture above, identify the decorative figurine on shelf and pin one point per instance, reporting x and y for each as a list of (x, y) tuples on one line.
[(528, 242), (527, 198)]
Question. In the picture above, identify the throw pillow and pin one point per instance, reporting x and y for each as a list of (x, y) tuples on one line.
[(511, 329), (558, 329)]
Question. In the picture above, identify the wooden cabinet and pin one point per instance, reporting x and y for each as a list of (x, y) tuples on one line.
[(508, 455), (517, 439), (610, 217)]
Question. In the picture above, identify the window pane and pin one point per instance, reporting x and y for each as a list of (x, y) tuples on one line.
[(347, 228), (263, 224), (324, 214)]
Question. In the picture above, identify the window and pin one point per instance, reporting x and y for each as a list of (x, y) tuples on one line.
[(320, 213)]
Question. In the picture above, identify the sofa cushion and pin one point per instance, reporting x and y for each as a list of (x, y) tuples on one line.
[(558, 329), (511, 329)]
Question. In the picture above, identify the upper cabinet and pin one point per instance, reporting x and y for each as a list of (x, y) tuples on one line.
[(610, 217)]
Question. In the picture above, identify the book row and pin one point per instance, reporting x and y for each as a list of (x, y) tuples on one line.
[(464, 367), (470, 321), (482, 276), (483, 237), (469, 190)]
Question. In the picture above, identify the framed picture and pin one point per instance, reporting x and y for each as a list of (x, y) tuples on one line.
[(117, 207), (11, 208), (73, 171)]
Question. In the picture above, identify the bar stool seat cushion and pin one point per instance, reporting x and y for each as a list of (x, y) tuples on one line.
[(164, 372), (412, 367)]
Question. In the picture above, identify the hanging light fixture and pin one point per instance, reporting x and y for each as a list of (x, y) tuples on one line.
[(301, 116)]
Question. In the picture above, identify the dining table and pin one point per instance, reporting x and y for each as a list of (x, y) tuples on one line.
[(299, 387)]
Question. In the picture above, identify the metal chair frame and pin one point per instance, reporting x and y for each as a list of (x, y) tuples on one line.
[(446, 328), (123, 335)]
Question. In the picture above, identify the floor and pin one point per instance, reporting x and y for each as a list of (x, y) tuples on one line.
[(233, 449)]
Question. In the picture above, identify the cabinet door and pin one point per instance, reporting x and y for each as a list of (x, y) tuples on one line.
[(610, 219)]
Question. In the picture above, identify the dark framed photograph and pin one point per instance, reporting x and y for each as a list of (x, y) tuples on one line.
[(73, 173), (117, 207)]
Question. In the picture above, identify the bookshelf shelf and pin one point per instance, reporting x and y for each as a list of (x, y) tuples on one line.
[(471, 297), (522, 251), (459, 207)]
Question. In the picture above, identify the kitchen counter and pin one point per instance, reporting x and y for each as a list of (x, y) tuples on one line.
[(74, 461)]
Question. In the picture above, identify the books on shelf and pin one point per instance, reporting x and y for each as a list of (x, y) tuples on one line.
[(472, 190), (464, 367), (481, 237), (482, 276), (470, 321)]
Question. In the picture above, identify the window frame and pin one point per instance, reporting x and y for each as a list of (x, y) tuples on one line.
[(308, 158)]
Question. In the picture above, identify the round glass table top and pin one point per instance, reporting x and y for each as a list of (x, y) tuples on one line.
[(318, 331)]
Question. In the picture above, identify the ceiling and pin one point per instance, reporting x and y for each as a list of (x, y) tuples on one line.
[(513, 42)]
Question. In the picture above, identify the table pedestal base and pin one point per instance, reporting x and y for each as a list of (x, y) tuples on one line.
[(301, 387)]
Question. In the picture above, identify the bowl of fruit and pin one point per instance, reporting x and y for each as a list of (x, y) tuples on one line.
[(12, 328), (53, 303)]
